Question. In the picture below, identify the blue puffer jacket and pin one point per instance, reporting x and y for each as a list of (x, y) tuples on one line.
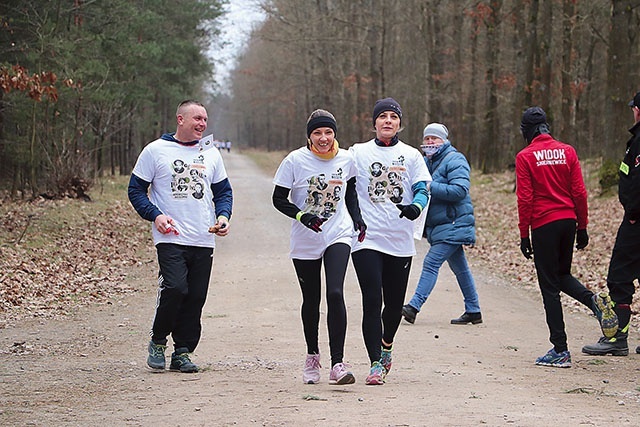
[(450, 217)]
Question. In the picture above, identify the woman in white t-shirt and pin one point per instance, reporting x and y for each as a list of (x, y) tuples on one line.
[(392, 190), (315, 186)]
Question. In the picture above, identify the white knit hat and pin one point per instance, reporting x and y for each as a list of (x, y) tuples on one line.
[(436, 129)]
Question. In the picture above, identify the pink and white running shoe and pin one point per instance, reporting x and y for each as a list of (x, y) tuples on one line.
[(311, 372), (341, 375)]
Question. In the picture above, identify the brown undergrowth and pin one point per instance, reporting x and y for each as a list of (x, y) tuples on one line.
[(59, 255)]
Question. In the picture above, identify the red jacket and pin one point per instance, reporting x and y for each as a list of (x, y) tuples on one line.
[(549, 185)]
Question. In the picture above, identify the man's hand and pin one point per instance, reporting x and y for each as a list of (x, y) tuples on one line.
[(165, 224), (221, 227), (312, 222), (525, 247), (582, 239), (409, 211)]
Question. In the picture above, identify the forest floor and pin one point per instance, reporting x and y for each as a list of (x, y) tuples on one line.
[(77, 291)]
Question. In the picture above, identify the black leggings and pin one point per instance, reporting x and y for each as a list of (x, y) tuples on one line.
[(382, 277), (335, 260), (552, 255)]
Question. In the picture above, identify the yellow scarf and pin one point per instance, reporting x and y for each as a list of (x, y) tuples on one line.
[(329, 154)]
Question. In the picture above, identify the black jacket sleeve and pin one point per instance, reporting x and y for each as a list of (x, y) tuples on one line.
[(629, 183)]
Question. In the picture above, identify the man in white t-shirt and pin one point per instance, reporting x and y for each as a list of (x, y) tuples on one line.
[(173, 185)]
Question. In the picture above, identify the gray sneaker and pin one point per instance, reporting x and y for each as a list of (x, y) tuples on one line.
[(616, 346), (156, 360), (180, 361)]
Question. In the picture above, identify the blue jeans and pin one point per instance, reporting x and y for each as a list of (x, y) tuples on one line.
[(454, 255)]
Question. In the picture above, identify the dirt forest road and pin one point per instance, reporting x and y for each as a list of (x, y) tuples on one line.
[(89, 369)]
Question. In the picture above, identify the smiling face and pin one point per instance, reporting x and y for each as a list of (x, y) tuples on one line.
[(322, 139), (387, 125), (192, 122)]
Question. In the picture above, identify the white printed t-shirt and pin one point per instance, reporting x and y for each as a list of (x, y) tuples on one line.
[(317, 186), (385, 177), (181, 178)]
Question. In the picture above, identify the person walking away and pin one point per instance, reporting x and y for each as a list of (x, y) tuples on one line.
[(552, 202), (164, 189), (383, 260), (450, 224), (321, 234), (624, 266)]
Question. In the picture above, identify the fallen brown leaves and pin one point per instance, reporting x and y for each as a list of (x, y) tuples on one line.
[(56, 256)]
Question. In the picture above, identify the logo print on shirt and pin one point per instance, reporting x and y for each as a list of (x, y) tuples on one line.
[(550, 157), (399, 162)]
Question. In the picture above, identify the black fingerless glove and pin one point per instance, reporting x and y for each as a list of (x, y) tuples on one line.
[(313, 222), (362, 228), (409, 211)]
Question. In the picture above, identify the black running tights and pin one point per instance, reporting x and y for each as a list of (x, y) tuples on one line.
[(335, 260), (382, 278)]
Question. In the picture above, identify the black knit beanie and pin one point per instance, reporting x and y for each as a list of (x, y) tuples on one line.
[(386, 104)]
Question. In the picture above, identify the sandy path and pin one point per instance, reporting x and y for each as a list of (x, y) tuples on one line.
[(90, 369)]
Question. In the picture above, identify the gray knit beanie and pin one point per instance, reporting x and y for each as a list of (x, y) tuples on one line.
[(436, 129)]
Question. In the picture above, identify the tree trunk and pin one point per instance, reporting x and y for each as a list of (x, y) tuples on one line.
[(621, 86), (568, 109), (493, 152)]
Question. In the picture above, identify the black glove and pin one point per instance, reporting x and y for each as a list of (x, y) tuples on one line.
[(582, 239), (360, 226), (409, 211), (525, 247), (313, 222)]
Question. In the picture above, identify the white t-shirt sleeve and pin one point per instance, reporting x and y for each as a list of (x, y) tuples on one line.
[(219, 171), (284, 174), (145, 167), (420, 168)]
